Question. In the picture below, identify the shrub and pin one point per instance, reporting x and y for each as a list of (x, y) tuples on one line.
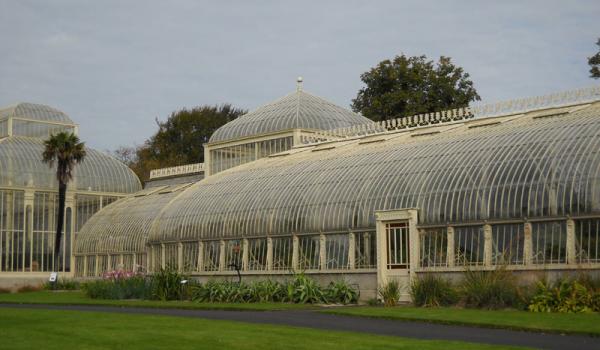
[(432, 290), (489, 289), (222, 292), (211, 291), (389, 293), (565, 296), (299, 289), (341, 292), (166, 285), (5, 290), (302, 289), (136, 287), (266, 291)]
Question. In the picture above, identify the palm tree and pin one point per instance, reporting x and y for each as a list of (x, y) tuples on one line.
[(66, 149)]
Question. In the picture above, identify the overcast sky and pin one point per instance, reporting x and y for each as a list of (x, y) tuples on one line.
[(116, 66)]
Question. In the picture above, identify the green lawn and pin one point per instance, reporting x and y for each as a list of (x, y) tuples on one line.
[(547, 322), (49, 329), (512, 319), (78, 298)]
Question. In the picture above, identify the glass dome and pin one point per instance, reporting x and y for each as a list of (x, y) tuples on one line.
[(28, 190), (21, 166), (33, 111), (299, 110)]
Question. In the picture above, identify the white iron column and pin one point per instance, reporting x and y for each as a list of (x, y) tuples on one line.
[(322, 252), (295, 252), (28, 231), (200, 256), (450, 246), (222, 262), (85, 265), (487, 245), (527, 244), (180, 257), (269, 254), (571, 251), (244, 254), (351, 250)]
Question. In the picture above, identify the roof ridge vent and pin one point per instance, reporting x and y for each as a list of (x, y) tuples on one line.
[(511, 107)]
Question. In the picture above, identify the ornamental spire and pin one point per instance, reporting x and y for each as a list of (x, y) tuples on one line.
[(299, 84)]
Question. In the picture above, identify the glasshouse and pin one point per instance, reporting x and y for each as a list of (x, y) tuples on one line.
[(29, 191), (303, 185)]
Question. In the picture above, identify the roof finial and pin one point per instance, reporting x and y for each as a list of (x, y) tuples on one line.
[(299, 84)]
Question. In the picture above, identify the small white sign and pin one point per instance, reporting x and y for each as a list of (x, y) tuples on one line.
[(53, 277)]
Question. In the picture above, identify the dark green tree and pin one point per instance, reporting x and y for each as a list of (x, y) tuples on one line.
[(179, 140), (66, 151), (407, 86), (594, 63)]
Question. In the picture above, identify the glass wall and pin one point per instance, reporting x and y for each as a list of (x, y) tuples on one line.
[(434, 247), (468, 245), (587, 241), (309, 252), (454, 247), (282, 253), (336, 252), (365, 252), (258, 255), (28, 230), (508, 244), (549, 242), (45, 207), (12, 231), (231, 156)]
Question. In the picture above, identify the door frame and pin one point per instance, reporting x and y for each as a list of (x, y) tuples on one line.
[(404, 276)]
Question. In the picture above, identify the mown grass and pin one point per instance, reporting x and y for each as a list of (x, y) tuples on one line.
[(50, 329), (582, 323), (79, 298)]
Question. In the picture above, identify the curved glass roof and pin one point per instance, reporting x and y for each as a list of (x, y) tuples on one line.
[(543, 163), (35, 112), (123, 226), (297, 110), (21, 166)]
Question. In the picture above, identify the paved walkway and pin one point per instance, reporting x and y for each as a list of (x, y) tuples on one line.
[(312, 319)]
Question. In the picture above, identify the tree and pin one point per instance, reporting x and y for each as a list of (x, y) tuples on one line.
[(125, 154), (66, 150), (179, 140), (413, 85), (594, 63)]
